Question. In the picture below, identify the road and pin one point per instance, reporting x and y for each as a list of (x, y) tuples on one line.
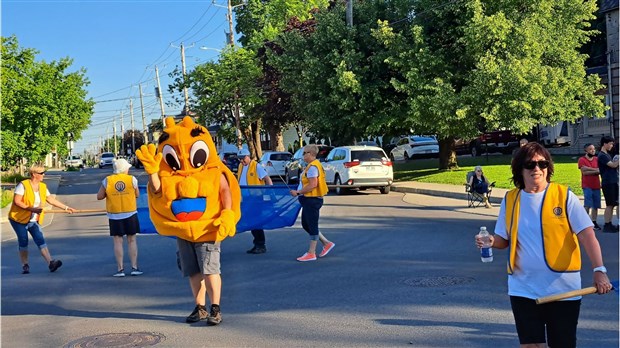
[(404, 272)]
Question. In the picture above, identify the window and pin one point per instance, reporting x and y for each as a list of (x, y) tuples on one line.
[(367, 155), (280, 157)]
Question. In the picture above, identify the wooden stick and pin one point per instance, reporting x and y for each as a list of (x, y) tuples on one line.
[(76, 211), (568, 294)]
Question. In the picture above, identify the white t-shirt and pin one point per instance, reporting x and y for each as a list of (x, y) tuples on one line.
[(531, 277), (20, 190), (120, 216), (313, 172), (260, 171)]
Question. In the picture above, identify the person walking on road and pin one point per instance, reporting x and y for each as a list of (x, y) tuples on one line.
[(542, 223), (590, 183), (250, 173), (120, 191), (609, 182), (312, 187), (26, 216)]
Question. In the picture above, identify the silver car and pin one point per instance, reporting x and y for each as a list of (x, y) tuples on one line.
[(106, 159)]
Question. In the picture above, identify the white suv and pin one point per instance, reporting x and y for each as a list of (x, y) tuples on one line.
[(74, 161), (359, 167), (106, 159)]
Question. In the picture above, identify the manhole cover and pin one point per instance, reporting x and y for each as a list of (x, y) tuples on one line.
[(135, 339), (433, 282)]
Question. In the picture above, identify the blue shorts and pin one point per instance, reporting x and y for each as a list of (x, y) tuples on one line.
[(592, 198)]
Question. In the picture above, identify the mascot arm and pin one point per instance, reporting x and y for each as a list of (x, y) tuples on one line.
[(149, 158), (226, 221)]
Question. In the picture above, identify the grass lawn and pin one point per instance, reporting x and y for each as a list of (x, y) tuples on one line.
[(496, 168)]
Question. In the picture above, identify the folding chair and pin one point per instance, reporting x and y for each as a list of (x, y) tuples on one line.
[(475, 199)]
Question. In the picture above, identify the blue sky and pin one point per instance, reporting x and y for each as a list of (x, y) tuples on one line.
[(119, 43)]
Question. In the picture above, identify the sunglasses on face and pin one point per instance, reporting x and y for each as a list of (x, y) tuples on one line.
[(542, 164), (40, 173), (306, 152)]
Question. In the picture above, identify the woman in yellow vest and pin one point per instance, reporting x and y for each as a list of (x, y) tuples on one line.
[(120, 191), (312, 187), (250, 173), (26, 215), (542, 224)]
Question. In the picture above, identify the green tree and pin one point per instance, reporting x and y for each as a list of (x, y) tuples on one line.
[(41, 102)]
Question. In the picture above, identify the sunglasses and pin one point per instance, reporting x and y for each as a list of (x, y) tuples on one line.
[(542, 164), (306, 152), (40, 173)]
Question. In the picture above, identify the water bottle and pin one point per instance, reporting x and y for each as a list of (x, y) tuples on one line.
[(486, 252)]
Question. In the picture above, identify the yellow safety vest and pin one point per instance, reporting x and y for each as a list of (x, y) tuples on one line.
[(22, 216), (321, 188), (251, 175), (560, 244), (120, 194)]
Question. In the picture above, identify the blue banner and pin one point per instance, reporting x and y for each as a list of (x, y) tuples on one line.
[(262, 207)]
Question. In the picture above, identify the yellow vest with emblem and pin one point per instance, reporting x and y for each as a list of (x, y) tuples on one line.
[(560, 244), (22, 216), (251, 175), (120, 194), (321, 188)]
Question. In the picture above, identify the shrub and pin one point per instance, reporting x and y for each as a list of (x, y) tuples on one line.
[(6, 198)]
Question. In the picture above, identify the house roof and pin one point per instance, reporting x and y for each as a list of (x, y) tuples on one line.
[(608, 5)]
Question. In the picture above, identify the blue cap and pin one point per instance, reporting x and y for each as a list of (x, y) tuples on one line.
[(243, 152)]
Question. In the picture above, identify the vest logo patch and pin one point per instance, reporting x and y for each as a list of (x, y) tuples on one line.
[(557, 211), (119, 186)]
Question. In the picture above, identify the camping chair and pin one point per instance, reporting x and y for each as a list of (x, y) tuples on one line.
[(475, 199)]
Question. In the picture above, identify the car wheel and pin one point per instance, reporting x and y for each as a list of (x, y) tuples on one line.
[(339, 190), (384, 190)]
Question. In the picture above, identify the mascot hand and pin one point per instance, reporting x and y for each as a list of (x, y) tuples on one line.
[(226, 221), (150, 160)]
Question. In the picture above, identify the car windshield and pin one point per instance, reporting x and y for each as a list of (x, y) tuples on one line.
[(367, 155), (422, 139), (75, 157), (106, 155), (280, 156)]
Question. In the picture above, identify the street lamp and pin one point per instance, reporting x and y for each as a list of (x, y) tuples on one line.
[(205, 48)]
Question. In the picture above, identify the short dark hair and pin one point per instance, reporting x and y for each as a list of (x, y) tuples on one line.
[(606, 139), (587, 145), (525, 154)]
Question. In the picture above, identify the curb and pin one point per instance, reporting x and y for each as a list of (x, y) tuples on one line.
[(441, 193)]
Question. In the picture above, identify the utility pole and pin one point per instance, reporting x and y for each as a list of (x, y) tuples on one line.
[(122, 135), (114, 136), (146, 139), (349, 13), (133, 138), (185, 93), (161, 99)]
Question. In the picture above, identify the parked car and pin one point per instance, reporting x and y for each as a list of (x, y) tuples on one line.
[(74, 161), (230, 159), (106, 159), (274, 162), (294, 167), (360, 167), (414, 146), (496, 141)]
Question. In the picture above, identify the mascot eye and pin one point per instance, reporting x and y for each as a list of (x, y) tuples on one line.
[(171, 157), (198, 154)]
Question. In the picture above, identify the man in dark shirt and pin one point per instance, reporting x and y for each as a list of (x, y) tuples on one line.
[(609, 182)]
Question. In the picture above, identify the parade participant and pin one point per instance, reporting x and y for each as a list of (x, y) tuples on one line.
[(250, 173), (543, 225), (590, 183), (312, 187), (196, 198), (609, 182), (120, 191), (26, 216)]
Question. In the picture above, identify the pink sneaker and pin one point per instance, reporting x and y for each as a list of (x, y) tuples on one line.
[(327, 248), (307, 257)]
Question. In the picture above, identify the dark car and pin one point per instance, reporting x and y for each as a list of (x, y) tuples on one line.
[(496, 141), (231, 160), (296, 165)]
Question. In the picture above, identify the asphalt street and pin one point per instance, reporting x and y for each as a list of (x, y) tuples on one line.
[(404, 272)]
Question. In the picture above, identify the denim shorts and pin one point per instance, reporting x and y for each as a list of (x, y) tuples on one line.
[(200, 257), (592, 198), (21, 230)]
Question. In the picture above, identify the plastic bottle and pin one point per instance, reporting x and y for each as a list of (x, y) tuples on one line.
[(486, 252)]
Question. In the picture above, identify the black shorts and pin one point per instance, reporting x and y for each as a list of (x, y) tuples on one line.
[(610, 191), (558, 318), (128, 226)]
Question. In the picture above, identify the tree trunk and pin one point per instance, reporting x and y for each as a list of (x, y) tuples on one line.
[(256, 127), (447, 154), (277, 140), (247, 133)]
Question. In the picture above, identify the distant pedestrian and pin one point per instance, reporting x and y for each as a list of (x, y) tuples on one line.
[(590, 183), (120, 191), (609, 182), (543, 225), (250, 173), (26, 216), (312, 187)]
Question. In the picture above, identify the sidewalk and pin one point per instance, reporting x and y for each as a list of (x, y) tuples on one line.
[(52, 181)]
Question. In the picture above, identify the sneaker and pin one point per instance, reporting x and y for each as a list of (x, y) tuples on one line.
[(54, 265), (327, 248), (610, 228), (136, 271), (120, 273), (25, 269), (257, 250), (215, 317), (307, 257), (199, 313), (596, 226)]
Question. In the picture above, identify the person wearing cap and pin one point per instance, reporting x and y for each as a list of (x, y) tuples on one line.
[(26, 214), (250, 173), (120, 191)]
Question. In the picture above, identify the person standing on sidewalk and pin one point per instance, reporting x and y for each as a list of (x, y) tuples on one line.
[(250, 173), (26, 215), (590, 183), (120, 191), (312, 187), (609, 180)]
